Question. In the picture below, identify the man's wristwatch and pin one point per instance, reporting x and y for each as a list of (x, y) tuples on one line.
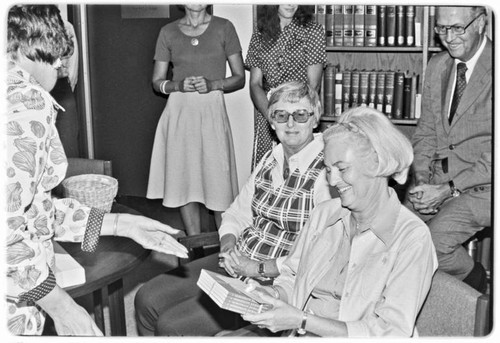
[(454, 191), (261, 270)]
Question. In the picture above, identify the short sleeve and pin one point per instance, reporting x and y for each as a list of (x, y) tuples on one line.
[(315, 45), (253, 58), (162, 51), (232, 42)]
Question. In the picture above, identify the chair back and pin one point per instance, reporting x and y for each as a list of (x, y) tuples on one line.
[(453, 308)]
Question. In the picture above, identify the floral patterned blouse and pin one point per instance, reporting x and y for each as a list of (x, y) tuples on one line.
[(35, 164), (287, 60)]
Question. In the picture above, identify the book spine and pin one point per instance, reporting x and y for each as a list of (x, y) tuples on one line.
[(338, 92), (414, 92), (419, 21), (363, 88), (391, 25), (380, 91), (400, 26), (348, 25), (372, 89), (371, 25), (359, 25), (410, 25), (354, 88), (338, 25), (389, 93), (346, 90), (329, 86), (397, 108), (407, 95), (329, 25), (381, 25), (432, 23), (320, 15)]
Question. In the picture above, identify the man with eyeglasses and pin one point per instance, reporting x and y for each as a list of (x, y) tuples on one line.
[(452, 143)]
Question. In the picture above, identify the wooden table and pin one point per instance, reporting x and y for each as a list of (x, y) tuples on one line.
[(106, 267)]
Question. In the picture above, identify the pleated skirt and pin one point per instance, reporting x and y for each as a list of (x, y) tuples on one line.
[(193, 153)]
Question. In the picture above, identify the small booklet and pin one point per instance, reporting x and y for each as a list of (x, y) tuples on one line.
[(67, 271), (230, 293)]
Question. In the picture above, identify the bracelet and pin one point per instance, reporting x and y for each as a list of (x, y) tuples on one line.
[(276, 292), (115, 224), (162, 86)]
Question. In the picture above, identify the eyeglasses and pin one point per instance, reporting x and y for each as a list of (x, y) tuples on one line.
[(455, 29), (300, 116)]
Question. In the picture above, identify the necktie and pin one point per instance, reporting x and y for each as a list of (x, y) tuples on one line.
[(459, 89)]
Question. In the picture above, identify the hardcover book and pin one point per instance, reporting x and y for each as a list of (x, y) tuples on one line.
[(363, 87), (381, 25), (407, 95), (414, 106), (380, 91), (329, 25), (230, 293), (372, 89), (338, 92), (329, 90), (400, 26), (346, 90), (391, 25), (432, 23), (397, 109), (321, 15), (419, 22), (371, 25), (338, 25), (410, 25), (389, 93), (354, 88), (348, 25), (359, 25)]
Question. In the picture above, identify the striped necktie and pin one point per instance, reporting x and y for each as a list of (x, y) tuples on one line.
[(459, 89)]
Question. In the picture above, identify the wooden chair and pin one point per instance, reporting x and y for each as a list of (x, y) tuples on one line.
[(453, 308)]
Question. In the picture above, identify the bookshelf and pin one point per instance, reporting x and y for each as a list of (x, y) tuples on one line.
[(409, 58)]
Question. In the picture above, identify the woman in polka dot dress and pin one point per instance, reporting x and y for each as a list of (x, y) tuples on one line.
[(286, 45)]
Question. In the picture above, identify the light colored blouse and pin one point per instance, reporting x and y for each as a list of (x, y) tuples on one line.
[(389, 273)]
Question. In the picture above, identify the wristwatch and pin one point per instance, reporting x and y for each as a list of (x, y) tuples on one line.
[(454, 191), (261, 269), (302, 329)]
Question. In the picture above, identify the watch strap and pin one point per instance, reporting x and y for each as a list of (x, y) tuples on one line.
[(261, 269), (302, 328)]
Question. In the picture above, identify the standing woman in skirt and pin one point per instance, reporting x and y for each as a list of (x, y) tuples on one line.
[(193, 156)]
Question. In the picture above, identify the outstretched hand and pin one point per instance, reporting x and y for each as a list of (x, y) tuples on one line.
[(151, 234), (281, 317)]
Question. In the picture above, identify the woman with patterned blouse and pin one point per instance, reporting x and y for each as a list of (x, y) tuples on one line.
[(35, 164), (286, 45), (259, 228)]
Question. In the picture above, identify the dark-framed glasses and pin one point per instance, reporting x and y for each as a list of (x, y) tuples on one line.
[(455, 29), (300, 116)]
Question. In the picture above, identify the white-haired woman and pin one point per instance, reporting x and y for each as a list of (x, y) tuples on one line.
[(364, 263)]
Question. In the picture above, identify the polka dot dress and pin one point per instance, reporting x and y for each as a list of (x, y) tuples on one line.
[(287, 60)]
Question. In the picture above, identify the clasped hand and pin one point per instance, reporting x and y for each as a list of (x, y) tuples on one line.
[(237, 264), (198, 84), (426, 198)]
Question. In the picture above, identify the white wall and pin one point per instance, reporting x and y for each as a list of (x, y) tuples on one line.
[(239, 105)]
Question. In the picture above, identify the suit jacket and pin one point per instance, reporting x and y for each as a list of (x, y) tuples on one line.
[(467, 142)]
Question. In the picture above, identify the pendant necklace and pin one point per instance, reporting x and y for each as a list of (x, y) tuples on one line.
[(194, 41)]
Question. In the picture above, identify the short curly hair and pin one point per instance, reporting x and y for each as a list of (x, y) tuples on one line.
[(372, 130), (37, 32)]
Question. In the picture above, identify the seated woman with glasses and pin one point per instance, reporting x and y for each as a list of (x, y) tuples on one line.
[(363, 264), (258, 229)]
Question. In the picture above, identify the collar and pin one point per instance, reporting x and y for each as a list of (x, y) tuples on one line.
[(303, 158), (472, 62), (384, 224)]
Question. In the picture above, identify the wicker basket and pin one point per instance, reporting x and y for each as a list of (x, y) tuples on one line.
[(93, 190)]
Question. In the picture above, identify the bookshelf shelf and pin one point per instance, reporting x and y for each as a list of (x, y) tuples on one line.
[(363, 49)]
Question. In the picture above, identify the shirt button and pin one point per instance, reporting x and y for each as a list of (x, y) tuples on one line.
[(452, 146), (481, 188), (475, 189)]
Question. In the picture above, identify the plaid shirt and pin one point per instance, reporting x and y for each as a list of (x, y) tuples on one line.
[(279, 213)]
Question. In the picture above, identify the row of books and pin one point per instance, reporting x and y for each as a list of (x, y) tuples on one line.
[(394, 93), (373, 25)]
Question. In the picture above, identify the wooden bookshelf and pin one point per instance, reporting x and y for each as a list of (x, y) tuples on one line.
[(411, 59)]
